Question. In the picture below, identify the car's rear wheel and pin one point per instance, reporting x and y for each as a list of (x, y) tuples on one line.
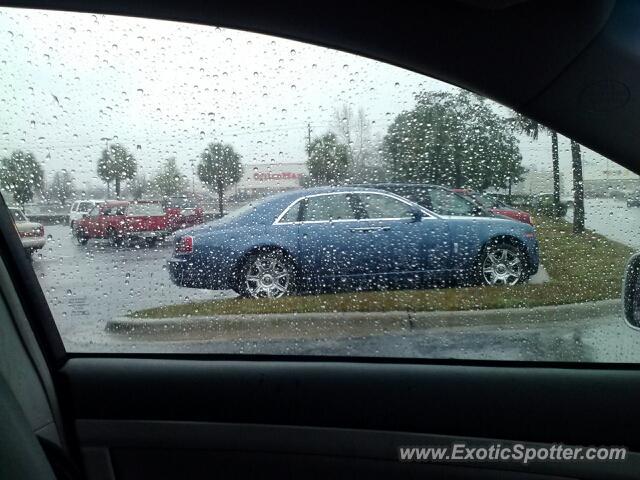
[(502, 263), (269, 274)]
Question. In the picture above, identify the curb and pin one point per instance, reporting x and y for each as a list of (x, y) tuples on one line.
[(345, 324)]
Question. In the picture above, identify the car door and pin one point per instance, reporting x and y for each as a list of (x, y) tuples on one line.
[(332, 238), (406, 243)]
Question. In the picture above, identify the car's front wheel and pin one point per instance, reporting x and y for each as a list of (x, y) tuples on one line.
[(502, 264), (116, 239), (268, 274)]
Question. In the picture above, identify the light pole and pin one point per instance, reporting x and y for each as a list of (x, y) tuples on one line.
[(106, 142)]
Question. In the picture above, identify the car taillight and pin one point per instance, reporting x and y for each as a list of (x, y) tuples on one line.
[(185, 244)]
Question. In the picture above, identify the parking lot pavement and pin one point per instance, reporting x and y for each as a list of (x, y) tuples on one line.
[(88, 285), (613, 219)]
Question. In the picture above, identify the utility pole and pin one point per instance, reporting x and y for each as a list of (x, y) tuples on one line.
[(309, 140), (106, 144)]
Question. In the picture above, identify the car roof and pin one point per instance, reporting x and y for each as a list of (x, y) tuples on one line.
[(320, 190), (116, 203), (398, 185)]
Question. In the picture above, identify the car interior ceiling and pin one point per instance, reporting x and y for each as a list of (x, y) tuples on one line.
[(571, 65)]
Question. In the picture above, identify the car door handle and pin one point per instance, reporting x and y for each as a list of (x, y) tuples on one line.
[(370, 229)]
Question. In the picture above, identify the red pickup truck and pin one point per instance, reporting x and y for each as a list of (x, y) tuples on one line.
[(119, 221)]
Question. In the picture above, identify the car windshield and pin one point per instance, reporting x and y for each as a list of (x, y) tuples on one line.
[(293, 155), (85, 206)]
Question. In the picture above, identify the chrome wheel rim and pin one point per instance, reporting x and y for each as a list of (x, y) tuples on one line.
[(268, 276), (502, 266)]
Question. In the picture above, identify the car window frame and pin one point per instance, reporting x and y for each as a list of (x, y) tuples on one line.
[(427, 214), (354, 207), (413, 205)]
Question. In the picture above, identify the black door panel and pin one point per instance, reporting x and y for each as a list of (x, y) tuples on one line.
[(561, 404), (179, 418)]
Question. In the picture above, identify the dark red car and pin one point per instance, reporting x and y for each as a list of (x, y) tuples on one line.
[(495, 206), (119, 220)]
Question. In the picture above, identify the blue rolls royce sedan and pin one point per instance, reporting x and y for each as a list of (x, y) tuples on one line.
[(344, 238)]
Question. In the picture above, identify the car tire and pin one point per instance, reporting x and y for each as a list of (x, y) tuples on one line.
[(267, 274), (81, 238), (502, 263), (114, 237)]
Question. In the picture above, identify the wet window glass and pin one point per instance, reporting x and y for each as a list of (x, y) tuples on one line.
[(328, 207), (384, 206), (84, 206), (293, 213), (204, 136), (449, 203), (153, 209)]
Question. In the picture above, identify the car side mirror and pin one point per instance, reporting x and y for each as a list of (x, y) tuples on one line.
[(85, 215), (631, 292)]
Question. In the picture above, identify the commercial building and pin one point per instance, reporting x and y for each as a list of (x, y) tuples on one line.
[(261, 178)]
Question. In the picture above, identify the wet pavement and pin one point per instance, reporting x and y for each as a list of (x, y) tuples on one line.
[(613, 219), (88, 285)]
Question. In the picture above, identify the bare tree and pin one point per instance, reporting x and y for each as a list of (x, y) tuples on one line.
[(354, 131)]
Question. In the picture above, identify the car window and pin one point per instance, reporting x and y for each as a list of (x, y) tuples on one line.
[(154, 114), (450, 203), (150, 209), (292, 214), (328, 208), (377, 206), (84, 206)]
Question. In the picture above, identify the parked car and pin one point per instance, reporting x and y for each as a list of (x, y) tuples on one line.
[(81, 207), (633, 200), (31, 233), (495, 206), (441, 200), (348, 238), (121, 221), (185, 210)]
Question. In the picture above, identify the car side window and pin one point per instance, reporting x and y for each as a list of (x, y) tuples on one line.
[(378, 206), (449, 203), (328, 208), (292, 214)]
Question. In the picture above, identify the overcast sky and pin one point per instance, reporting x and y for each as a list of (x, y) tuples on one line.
[(167, 89)]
